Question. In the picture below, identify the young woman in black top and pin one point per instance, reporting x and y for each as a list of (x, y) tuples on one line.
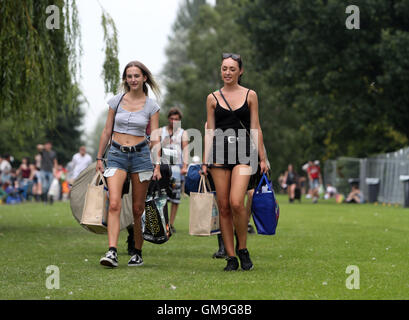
[(227, 145)]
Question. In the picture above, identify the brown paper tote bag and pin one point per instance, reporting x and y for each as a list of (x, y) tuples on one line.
[(95, 212), (203, 212)]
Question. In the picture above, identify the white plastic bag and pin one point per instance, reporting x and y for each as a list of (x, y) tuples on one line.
[(54, 190)]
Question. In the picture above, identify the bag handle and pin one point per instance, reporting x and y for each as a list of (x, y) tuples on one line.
[(97, 179), (208, 184), (202, 184), (154, 186), (263, 178)]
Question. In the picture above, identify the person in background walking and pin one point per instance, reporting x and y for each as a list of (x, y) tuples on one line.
[(36, 190), (174, 142), (49, 163), (291, 180), (80, 161), (315, 179)]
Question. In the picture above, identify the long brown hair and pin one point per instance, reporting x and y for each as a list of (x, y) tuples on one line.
[(149, 78)]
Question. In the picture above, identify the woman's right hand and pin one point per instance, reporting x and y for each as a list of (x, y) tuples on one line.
[(203, 170), (100, 166)]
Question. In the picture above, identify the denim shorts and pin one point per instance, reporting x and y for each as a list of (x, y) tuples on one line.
[(315, 183), (131, 162)]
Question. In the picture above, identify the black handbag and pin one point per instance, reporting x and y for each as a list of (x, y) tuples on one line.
[(155, 219)]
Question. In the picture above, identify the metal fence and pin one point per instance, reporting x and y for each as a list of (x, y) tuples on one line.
[(386, 167)]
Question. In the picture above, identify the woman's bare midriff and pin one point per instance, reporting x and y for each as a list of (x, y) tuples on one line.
[(127, 139)]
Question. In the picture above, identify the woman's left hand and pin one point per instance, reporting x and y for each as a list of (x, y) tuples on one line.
[(263, 166), (156, 173)]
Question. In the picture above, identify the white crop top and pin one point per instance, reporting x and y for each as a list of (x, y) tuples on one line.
[(133, 123)]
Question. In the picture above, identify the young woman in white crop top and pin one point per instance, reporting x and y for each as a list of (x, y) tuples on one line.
[(130, 153)]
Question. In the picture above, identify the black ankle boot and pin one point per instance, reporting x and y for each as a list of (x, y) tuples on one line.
[(221, 253), (245, 260), (232, 264)]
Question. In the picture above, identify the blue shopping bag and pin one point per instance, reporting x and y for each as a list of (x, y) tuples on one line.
[(192, 179), (265, 208)]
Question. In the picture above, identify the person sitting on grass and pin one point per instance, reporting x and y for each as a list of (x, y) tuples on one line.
[(355, 196), (330, 192)]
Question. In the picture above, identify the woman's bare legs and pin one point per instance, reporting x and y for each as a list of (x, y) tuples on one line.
[(115, 185), (231, 187), (238, 189), (139, 190), (221, 179)]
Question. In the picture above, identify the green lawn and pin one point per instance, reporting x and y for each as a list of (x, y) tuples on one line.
[(306, 259)]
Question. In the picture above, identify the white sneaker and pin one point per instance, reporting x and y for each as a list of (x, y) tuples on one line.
[(110, 259), (135, 261)]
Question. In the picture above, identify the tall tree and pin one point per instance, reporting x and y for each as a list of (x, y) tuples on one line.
[(39, 96), (214, 30), (176, 51), (338, 81), (110, 71), (36, 60)]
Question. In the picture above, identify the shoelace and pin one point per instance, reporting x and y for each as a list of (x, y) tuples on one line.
[(136, 258), (111, 255)]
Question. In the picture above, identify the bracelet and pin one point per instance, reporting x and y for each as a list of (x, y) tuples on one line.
[(205, 164), (102, 159)]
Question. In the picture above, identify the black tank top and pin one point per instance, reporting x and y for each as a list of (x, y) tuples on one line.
[(224, 119)]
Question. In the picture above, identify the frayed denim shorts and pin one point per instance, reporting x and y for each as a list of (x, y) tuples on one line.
[(131, 162)]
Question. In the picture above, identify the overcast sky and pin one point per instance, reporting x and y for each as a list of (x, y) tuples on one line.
[(143, 29)]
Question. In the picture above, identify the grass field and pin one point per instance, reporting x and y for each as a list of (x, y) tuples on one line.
[(306, 259)]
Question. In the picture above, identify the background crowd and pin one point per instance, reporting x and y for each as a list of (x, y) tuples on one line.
[(40, 178), (311, 184), (43, 178)]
